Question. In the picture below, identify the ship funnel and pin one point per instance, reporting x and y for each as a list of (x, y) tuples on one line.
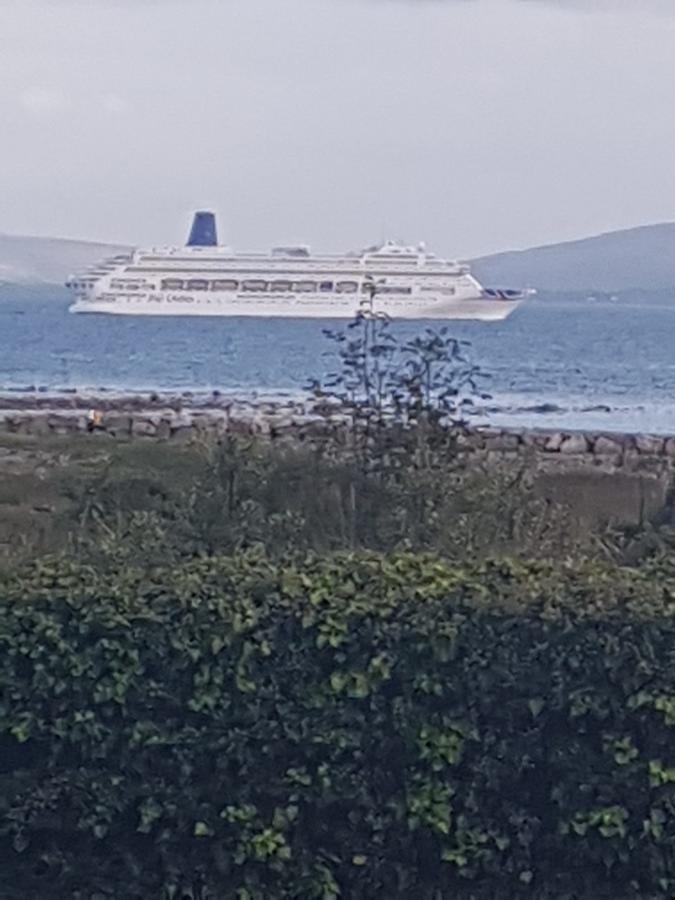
[(203, 231)]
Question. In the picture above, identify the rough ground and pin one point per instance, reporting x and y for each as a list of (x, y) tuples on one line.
[(47, 482), (44, 482)]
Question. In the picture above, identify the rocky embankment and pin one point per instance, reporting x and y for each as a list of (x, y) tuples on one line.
[(185, 416)]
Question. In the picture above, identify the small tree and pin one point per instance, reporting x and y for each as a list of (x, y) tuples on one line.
[(403, 402), (416, 388)]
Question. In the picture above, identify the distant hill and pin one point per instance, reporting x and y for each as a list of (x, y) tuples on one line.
[(34, 261), (639, 258)]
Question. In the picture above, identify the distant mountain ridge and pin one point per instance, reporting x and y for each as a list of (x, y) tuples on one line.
[(634, 259), (47, 261), (637, 258)]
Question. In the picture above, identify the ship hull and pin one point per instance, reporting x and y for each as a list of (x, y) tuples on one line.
[(480, 309)]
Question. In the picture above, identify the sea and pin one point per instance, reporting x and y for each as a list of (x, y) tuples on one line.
[(555, 363)]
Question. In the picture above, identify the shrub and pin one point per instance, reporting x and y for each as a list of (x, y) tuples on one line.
[(355, 726), (239, 492)]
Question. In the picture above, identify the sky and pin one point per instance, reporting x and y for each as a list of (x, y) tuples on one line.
[(474, 125)]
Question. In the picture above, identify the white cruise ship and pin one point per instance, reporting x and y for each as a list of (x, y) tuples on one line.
[(206, 279)]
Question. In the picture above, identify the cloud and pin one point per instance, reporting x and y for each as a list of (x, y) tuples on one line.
[(46, 102), (114, 104), (43, 101), (594, 6), (578, 6)]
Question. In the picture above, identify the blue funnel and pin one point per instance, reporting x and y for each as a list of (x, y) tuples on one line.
[(203, 231)]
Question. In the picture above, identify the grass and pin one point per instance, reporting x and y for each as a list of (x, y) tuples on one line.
[(160, 499), (43, 480)]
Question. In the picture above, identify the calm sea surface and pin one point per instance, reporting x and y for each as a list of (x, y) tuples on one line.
[(552, 364)]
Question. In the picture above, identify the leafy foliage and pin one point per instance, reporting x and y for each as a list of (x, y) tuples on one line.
[(353, 726), (389, 478), (403, 399), (389, 380), (240, 493)]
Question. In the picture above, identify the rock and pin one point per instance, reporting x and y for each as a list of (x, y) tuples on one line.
[(203, 422), (632, 458), (181, 420), (260, 425), (470, 441), (63, 424), (537, 439), (502, 442), (670, 448), (22, 424), (554, 443), (164, 430), (605, 446), (649, 444), (143, 428), (221, 425), (574, 444), (240, 426), (117, 424)]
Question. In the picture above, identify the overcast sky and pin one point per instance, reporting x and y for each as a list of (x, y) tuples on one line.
[(476, 125)]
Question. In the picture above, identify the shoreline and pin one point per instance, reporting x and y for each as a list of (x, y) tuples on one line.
[(509, 413), (185, 414)]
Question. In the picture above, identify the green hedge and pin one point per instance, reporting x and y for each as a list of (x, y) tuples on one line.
[(355, 727)]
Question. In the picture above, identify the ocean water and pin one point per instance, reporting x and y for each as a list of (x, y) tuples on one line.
[(553, 364)]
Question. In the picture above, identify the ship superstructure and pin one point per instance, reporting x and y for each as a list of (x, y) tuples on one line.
[(206, 279)]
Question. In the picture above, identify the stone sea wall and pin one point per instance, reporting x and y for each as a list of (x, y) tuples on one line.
[(184, 417)]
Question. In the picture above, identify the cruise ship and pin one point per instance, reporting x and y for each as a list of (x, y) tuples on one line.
[(207, 279)]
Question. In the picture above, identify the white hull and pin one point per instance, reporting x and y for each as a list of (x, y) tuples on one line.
[(302, 308)]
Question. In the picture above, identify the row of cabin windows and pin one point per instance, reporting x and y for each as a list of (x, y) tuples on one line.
[(281, 286)]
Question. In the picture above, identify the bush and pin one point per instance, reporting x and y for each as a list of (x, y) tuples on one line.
[(240, 493), (355, 726)]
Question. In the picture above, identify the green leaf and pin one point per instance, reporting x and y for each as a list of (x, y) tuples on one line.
[(536, 705)]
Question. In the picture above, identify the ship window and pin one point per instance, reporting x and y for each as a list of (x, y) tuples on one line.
[(172, 284), (291, 251), (394, 289), (305, 287), (224, 284), (282, 286), (346, 287), (254, 285), (197, 284), (326, 286)]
